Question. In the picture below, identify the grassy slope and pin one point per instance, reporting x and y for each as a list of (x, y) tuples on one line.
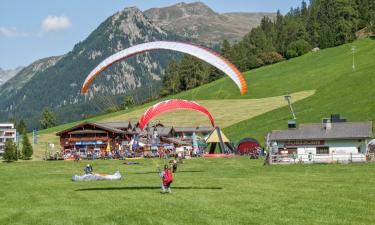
[(338, 90), (225, 112), (205, 191), (346, 92)]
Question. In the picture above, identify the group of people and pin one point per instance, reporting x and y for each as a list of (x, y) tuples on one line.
[(166, 175)]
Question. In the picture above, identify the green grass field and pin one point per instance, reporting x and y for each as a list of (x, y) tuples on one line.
[(205, 191)]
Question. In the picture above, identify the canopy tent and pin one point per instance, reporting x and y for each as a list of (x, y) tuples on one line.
[(218, 137), (248, 145), (214, 136)]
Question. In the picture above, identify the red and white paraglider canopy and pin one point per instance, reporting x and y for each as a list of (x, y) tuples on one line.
[(170, 105), (202, 53)]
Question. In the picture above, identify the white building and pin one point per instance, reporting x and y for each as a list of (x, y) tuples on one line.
[(325, 142), (7, 131)]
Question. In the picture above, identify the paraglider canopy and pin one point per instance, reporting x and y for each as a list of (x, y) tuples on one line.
[(169, 105), (202, 53)]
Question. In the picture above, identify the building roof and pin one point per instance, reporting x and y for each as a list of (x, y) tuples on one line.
[(164, 131), (87, 132), (6, 125), (118, 125), (193, 129), (99, 125), (319, 131), (175, 141), (131, 127)]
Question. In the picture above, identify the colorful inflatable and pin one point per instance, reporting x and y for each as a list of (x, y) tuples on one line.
[(170, 105), (199, 52)]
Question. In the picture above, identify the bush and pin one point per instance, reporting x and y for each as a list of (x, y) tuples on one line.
[(270, 57), (297, 48)]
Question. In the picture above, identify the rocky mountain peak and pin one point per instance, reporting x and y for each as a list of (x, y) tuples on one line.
[(132, 23), (195, 8), (196, 20)]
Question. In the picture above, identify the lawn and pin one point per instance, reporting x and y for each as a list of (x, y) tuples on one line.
[(205, 191)]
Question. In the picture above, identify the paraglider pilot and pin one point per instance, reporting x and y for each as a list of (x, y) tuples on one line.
[(166, 176), (88, 169)]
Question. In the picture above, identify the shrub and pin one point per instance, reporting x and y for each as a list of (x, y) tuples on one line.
[(270, 57), (298, 48)]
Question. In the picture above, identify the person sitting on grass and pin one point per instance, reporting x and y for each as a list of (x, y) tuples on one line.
[(88, 169), (167, 178)]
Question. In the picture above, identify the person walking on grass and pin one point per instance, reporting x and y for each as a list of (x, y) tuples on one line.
[(167, 178)]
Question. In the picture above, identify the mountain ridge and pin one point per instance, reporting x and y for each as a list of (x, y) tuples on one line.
[(7, 74), (197, 20), (62, 76), (62, 81)]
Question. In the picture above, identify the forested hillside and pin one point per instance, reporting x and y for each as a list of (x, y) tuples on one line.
[(321, 24)]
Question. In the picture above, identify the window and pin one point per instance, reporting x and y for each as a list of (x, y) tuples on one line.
[(287, 150), (322, 150)]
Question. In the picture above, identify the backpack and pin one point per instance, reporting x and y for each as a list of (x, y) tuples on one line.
[(167, 179)]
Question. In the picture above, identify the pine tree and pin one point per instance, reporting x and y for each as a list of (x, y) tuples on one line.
[(22, 127), (171, 79), (328, 23), (27, 149), (304, 11), (346, 21), (226, 49), (10, 153), (48, 119)]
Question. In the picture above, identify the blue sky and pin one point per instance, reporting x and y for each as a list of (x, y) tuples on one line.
[(34, 29)]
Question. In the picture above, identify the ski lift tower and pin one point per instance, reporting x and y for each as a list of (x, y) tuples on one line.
[(292, 122), (288, 98), (354, 49)]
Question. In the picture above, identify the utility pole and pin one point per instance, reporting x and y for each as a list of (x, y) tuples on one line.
[(288, 98), (354, 48)]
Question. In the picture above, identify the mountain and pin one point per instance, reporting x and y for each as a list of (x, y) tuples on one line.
[(56, 82), (197, 20), (6, 75), (25, 74)]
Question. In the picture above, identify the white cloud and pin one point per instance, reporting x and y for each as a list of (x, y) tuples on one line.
[(56, 23), (11, 32)]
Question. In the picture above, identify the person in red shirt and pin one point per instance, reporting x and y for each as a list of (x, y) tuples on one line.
[(167, 178)]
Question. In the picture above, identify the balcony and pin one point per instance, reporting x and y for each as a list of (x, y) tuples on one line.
[(104, 139)]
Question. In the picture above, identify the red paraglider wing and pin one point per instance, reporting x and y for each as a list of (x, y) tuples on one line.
[(170, 105)]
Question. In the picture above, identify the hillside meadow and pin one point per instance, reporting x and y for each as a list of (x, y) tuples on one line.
[(321, 83)]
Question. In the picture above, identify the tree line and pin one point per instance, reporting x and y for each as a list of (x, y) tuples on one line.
[(12, 152), (319, 24)]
